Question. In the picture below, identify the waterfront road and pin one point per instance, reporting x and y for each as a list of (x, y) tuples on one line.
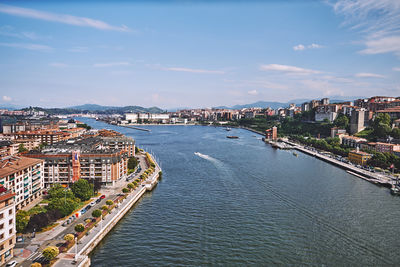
[(31, 250)]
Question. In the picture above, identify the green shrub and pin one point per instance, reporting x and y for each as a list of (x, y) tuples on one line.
[(50, 253), (79, 228), (131, 186), (96, 213), (125, 190), (104, 207), (110, 202), (69, 237)]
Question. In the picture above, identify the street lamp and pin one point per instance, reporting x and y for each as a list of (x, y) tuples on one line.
[(76, 248)]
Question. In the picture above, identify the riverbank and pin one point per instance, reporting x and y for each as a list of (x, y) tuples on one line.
[(371, 177), (79, 254)]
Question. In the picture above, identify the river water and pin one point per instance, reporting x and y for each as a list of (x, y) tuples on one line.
[(240, 202)]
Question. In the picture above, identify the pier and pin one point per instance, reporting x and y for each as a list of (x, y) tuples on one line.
[(136, 128)]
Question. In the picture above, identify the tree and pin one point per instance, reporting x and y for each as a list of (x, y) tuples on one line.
[(125, 190), (57, 191), (104, 207), (65, 205), (341, 121), (382, 130), (22, 148), (96, 213), (50, 253), (79, 228), (36, 264), (40, 220), (109, 202), (131, 186), (69, 237), (82, 189), (132, 163), (383, 118), (22, 220), (395, 133)]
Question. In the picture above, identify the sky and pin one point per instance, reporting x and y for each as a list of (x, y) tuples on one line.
[(175, 54)]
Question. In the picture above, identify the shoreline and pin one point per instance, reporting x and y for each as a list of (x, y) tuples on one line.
[(87, 244)]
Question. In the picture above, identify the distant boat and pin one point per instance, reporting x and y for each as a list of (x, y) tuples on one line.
[(232, 137), (228, 129), (295, 154)]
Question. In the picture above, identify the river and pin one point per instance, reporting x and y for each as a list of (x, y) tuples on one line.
[(241, 202)]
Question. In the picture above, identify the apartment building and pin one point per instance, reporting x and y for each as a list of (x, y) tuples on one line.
[(7, 225), (101, 160), (352, 141), (386, 147), (328, 112), (24, 177), (359, 157)]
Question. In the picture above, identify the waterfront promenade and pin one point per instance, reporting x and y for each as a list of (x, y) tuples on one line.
[(32, 249), (372, 177)]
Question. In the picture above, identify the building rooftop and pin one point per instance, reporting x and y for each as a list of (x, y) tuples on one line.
[(12, 164)]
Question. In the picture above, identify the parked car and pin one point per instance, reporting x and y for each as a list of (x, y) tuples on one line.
[(93, 203), (65, 224), (98, 200), (102, 196), (20, 239)]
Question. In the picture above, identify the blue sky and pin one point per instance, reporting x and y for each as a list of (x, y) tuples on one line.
[(196, 53)]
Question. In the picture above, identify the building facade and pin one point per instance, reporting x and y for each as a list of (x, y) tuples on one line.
[(24, 177), (359, 157), (7, 225)]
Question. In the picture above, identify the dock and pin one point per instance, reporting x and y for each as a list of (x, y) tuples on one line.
[(136, 128)]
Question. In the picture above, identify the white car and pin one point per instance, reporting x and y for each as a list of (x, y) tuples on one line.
[(93, 203), (11, 264)]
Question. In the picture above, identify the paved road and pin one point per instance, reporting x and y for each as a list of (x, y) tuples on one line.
[(56, 235)]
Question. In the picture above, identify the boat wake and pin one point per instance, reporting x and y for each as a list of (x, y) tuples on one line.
[(207, 157)]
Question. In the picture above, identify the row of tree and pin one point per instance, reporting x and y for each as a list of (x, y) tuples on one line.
[(61, 202)]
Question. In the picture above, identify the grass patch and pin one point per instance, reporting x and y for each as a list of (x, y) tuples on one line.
[(48, 228)]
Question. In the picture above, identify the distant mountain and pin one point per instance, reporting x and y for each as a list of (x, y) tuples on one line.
[(275, 105), (9, 106), (114, 109), (97, 109), (259, 104)]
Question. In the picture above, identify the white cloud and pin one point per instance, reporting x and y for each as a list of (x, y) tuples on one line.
[(314, 46), (61, 18), (379, 20), (6, 98), (111, 64), (58, 65), (194, 70), (396, 69), (253, 92), (368, 75), (36, 47), (301, 47), (288, 69), (383, 45)]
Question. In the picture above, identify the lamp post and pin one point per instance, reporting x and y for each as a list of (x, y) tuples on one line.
[(76, 249)]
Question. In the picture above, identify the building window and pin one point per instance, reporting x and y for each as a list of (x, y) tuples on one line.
[(10, 232), (10, 242), (1, 215), (10, 212), (1, 236), (10, 221), (1, 226)]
